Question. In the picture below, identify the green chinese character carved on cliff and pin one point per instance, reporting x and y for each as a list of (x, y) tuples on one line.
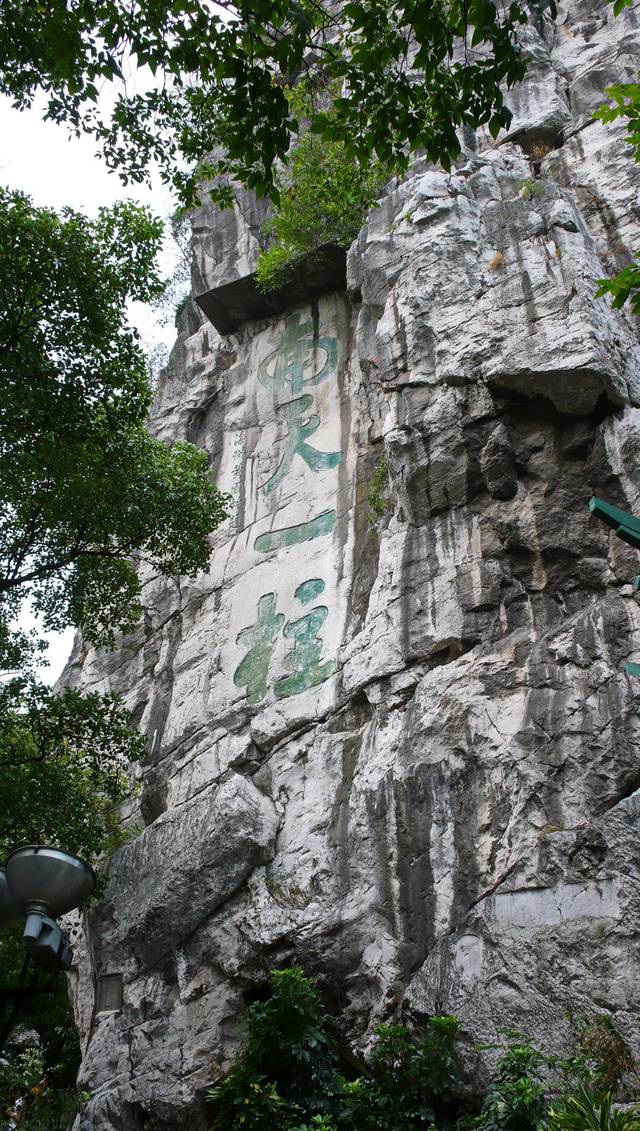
[(303, 661), (253, 671), (286, 536), (293, 413), (300, 350)]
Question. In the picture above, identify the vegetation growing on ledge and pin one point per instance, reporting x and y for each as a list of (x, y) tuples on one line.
[(323, 197), (378, 503), (289, 1077)]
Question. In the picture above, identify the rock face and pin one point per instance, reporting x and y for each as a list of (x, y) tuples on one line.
[(402, 751)]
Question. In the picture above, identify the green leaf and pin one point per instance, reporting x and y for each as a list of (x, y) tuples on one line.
[(230, 102), (495, 125)]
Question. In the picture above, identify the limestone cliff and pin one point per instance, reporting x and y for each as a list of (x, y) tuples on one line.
[(405, 753)]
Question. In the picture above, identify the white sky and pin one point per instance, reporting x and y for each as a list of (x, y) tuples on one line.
[(57, 169)]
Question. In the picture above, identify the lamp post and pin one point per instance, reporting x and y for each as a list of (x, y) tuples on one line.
[(40, 883)]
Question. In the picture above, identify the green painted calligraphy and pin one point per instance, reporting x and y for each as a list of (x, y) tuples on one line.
[(309, 590), (292, 535), (297, 353), (295, 442), (303, 661), (253, 671)]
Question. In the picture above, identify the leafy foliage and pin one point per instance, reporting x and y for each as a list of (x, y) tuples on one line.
[(626, 104), (83, 486), (63, 768), (532, 187), (63, 778), (581, 1111), (625, 99), (35, 1095), (408, 1085), (288, 1079), (378, 502), (39, 1065), (324, 196), (623, 287), (410, 75), (606, 1056), (516, 1099), (83, 489), (289, 1065)]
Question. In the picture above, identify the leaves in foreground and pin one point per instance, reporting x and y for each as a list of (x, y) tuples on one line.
[(84, 488), (411, 74), (63, 768)]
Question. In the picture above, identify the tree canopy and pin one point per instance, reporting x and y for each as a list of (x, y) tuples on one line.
[(86, 495), (411, 73), (83, 486)]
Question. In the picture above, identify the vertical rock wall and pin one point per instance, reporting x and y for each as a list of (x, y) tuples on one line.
[(404, 753)]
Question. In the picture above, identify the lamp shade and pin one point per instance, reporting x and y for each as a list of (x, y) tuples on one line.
[(9, 909), (53, 879)]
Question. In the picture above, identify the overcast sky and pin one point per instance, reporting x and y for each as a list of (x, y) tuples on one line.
[(41, 159)]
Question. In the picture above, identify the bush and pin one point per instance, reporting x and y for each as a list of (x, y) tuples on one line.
[(37, 1076), (581, 1111), (288, 1077), (378, 503), (516, 1099), (325, 199), (288, 1069), (408, 1085)]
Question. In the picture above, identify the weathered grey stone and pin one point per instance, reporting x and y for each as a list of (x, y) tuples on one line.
[(423, 782), (182, 868), (232, 304), (498, 464)]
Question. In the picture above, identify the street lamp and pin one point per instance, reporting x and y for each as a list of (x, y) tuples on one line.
[(45, 882), (40, 883), (9, 909)]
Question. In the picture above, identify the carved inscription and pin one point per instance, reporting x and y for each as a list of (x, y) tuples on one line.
[(292, 535), (253, 671), (303, 661), (293, 414), (304, 359), (300, 359)]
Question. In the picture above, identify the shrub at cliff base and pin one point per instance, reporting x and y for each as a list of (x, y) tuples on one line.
[(290, 1077)]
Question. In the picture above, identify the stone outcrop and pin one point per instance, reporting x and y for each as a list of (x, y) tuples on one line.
[(401, 751)]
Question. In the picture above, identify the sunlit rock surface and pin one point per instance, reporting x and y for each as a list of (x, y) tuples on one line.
[(404, 753)]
